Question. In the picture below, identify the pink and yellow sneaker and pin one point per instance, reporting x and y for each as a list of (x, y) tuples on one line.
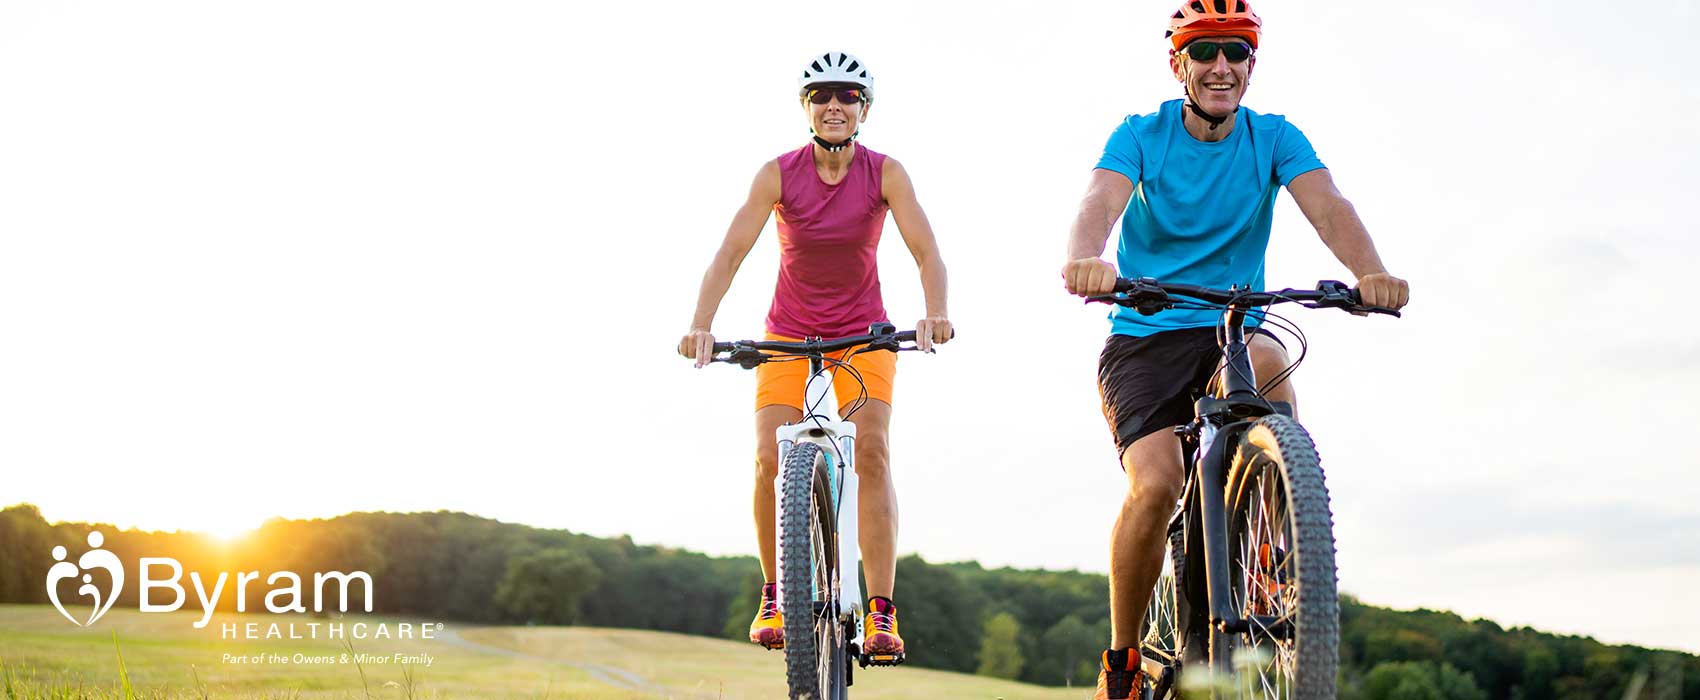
[(881, 645), (768, 629)]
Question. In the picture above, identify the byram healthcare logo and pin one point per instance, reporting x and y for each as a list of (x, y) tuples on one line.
[(285, 594), (95, 558)]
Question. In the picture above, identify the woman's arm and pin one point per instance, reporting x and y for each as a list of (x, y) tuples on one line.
[(698, 343), (899, 194)]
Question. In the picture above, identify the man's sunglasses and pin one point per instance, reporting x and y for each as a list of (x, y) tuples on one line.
[(1205, 51), (846, 96)]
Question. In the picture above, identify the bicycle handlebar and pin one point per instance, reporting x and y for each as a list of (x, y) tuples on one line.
[(1148, 296), (748, 353)]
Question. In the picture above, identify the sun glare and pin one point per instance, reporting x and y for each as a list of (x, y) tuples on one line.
[(228, 532)]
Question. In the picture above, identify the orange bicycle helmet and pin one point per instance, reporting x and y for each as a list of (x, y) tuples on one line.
[(1199, 18)]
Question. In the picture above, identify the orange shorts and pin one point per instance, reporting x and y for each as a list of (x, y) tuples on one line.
[(782, 383)]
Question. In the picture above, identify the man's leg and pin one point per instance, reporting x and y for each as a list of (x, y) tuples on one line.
[(1268, 359), (1154, 480)]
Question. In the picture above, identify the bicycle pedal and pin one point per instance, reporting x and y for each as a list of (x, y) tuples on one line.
[(881, 659)]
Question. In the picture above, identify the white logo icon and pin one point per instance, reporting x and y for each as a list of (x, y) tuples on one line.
[(95, 558)]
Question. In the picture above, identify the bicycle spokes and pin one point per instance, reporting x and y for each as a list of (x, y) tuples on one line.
[(1162, 619), (824, 606), (1265, 563)]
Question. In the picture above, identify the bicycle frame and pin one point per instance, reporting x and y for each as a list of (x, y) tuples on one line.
[(1222, 420), (837, 440)]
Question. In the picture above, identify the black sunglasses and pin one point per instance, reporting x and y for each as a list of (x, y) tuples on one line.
[(1205, 51), (846, 96)]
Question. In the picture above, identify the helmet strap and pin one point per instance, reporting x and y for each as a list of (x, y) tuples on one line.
[(835, 147), (1192, 105)]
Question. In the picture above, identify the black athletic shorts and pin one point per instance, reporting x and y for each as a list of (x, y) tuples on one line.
[(1150, 383)]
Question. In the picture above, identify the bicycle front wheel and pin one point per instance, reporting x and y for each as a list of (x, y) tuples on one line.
[(1281, 567), (814, 641)]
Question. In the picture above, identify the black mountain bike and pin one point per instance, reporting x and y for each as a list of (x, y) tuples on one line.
[(1250, 593)]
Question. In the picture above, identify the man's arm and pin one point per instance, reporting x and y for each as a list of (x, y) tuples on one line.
[(1337, 222), (1087, 273), (899, 193)]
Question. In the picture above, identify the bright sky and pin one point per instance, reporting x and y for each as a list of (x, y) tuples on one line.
[(306, 258)]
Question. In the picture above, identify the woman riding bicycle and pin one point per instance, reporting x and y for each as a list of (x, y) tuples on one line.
[(831, 197)]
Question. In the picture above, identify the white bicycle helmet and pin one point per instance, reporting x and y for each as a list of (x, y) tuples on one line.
[(836, 67)]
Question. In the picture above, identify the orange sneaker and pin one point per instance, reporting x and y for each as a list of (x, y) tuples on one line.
[(768, 629), (881, 645), (1118, 675)]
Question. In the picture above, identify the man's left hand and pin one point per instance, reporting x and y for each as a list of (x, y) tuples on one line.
[(1382, 289)]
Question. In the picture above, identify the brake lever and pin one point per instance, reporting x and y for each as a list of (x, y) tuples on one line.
[(1145, 305), (892, 345), (743, 356)]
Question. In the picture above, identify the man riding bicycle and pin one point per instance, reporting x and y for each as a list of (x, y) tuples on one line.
[(1201, 175), (830, 198)]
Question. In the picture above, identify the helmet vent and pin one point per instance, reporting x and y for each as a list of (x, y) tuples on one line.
[(1239, 6), (1197, 6), (1222, 6), (835, 68), (1179, 15)]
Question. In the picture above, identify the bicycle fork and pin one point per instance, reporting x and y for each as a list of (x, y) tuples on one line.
[(1212, 472), (849, 549), (838, 442)]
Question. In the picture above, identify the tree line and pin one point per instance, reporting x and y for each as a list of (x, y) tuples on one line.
[(1043, 627)]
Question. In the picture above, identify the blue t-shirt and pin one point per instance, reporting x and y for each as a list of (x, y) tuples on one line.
[(1200, 212)]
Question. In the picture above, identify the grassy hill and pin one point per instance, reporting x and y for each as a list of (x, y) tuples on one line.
[(485, 574), (164, 656)]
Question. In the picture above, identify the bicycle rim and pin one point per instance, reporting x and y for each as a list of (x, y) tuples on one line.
[(1281, 552), (813, 643)]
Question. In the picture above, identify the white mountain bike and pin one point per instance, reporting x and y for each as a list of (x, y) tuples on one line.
[(819, 590)]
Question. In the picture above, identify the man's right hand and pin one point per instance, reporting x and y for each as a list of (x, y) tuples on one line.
[(697, 345), (1089, 277)]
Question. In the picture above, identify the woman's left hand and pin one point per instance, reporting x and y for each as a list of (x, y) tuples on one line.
[(934, 329)]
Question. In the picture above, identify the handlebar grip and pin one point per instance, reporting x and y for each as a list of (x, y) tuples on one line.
[(722, 347), (1358, 307)]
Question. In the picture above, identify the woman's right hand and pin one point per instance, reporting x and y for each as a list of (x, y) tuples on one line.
[(698, 345)]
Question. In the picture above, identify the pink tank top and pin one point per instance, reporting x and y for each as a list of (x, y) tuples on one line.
[(829, 285)]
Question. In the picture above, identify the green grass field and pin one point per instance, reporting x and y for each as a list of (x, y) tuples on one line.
[(161, 655)]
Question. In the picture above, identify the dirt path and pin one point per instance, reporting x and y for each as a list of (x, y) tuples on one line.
[(617, 677)]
